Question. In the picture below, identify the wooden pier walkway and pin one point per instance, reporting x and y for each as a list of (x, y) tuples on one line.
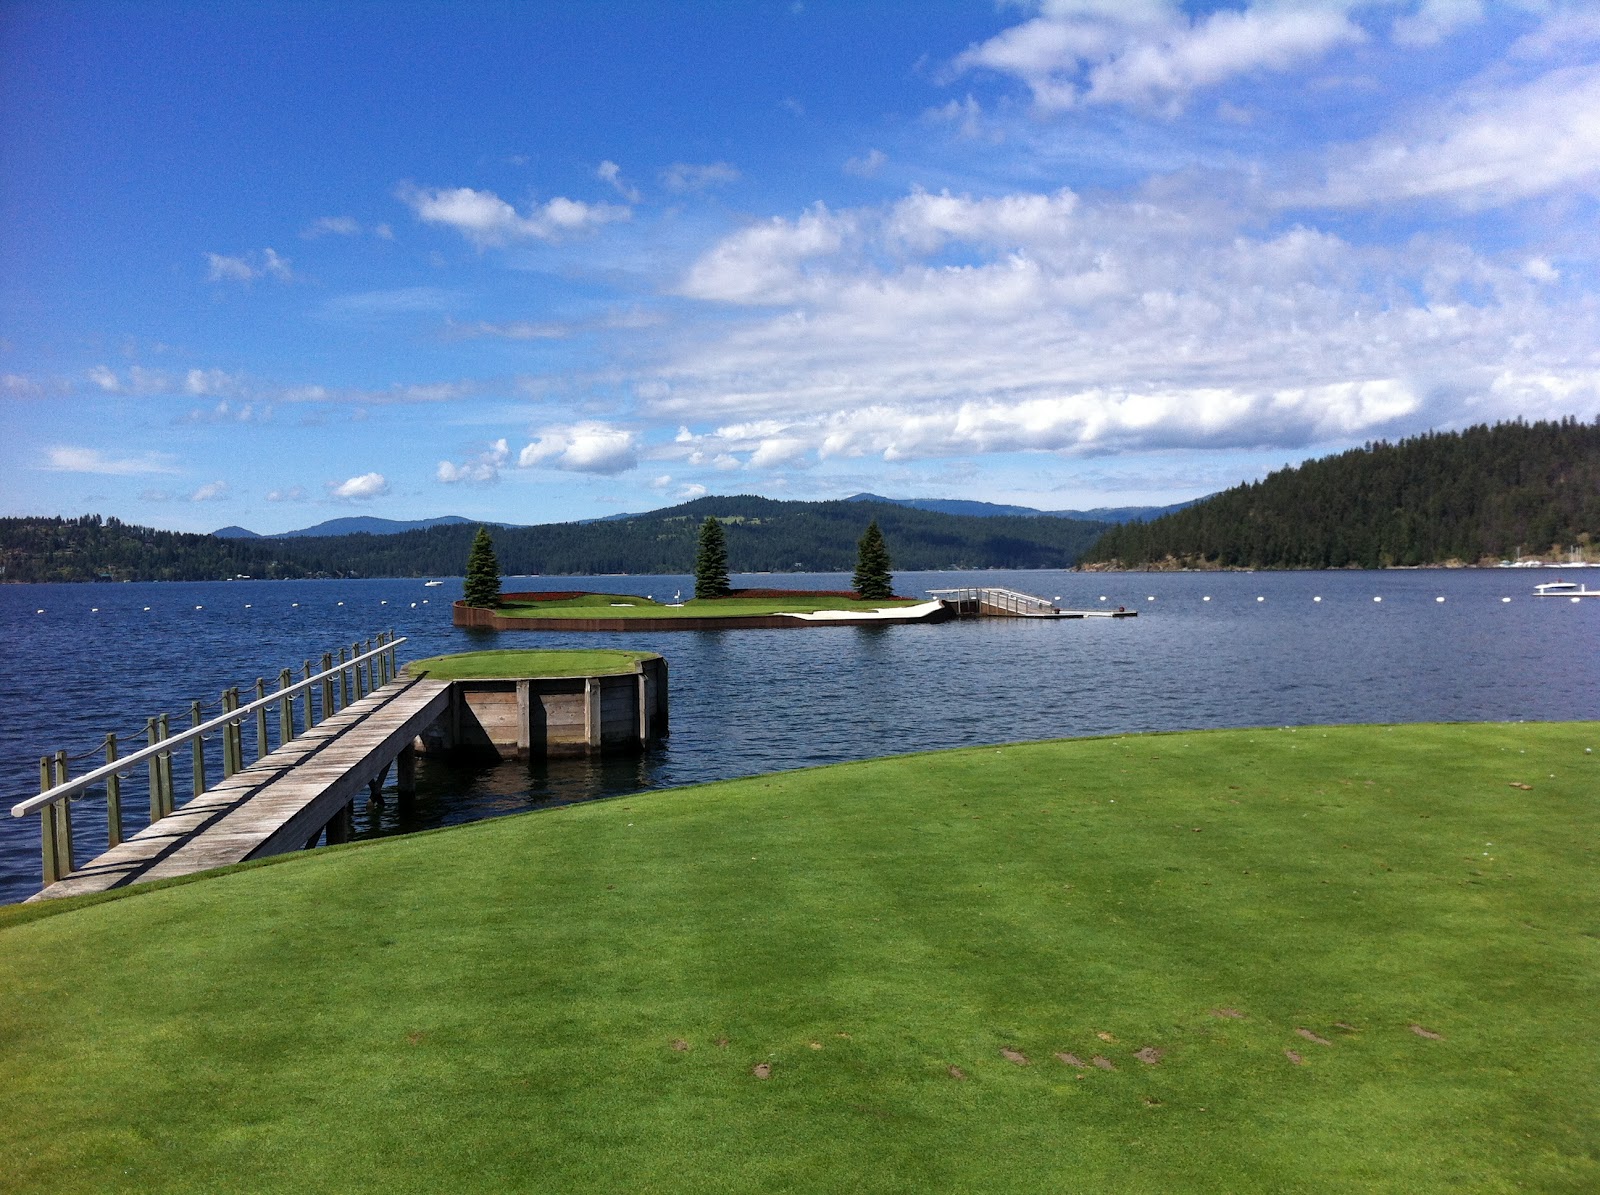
[(283, 801)]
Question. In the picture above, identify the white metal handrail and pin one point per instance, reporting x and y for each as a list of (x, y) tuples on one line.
[(164, 746)]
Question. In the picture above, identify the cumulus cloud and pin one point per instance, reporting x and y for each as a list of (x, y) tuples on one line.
[(610, 173), (681, 177), (340, 226), (1436, 20), (248, 267), (70, 459), (943, 324), (359, 488), (1491, 147), (1150, 54), (212, 491), (765, 263), (481, 469), (489, 221), (867, 165), (588, 447)]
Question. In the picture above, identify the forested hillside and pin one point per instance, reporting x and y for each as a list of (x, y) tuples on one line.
[(763, 535), (1477, 496)]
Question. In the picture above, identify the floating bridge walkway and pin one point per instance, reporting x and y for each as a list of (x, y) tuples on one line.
[(993, 601), (286, 800)]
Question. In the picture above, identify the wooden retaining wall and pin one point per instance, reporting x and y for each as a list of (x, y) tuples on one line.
[(555, 716)]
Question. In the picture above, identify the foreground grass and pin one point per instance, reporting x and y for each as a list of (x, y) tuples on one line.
[(577, 1000), (622, 605), (494, 665)]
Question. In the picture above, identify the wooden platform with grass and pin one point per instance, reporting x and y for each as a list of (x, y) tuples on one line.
[(744, 610)]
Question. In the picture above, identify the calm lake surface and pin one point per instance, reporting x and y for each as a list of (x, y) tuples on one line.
[(1208, 650)]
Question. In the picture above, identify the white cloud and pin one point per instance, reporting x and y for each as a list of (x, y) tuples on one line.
[(1436, 20), (70, 459), (765, 263), (965, 115), (610, 173), (212, 491), (248, 267), (482, 469), (588, 447), (1151, 54), (105, 378), (939, 325), (341, 226), (1490, 148), (487, 220), (293, 493), (681, 177), (867, 165), (210, 383), (360, 488)]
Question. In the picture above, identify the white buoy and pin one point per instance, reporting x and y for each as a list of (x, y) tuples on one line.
[(246, 606), (1261, 599), (147, 608), (199, 607), (424, 601), (341, 603), (295, 605), (1377, 599), (1102, 597), (1151, 598), (413, 605), (1576, 599), (1438, 599), (94, 609), (38, 611), (385, 602), (1318, 598), (1207, 598), (1505, 599)]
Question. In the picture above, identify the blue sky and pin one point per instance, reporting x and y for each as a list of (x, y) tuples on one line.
[(270, 264)]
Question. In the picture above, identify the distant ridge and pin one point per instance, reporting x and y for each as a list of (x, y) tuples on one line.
[(991, 510), (352, 525)]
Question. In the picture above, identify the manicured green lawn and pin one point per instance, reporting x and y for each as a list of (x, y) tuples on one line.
[(621, 605), (578, 1000), (488, 665)]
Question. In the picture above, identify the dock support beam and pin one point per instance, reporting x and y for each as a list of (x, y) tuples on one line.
[(405, 772)]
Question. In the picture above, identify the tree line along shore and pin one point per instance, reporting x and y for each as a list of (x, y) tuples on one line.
[(1478, 496)]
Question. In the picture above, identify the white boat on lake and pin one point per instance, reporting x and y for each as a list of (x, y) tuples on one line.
[(1566, 589)]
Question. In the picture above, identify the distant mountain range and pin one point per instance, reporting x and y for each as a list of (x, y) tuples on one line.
[(367, 525), (356, 524), (990, 510)]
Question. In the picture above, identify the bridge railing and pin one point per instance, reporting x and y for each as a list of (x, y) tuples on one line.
[(357, 672)]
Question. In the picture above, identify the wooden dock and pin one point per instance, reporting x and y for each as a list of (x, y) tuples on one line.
[(283, 802), (991, 601)]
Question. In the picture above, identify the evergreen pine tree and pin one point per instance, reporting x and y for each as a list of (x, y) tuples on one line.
[(711, 562), (483, 572), (872, 578)]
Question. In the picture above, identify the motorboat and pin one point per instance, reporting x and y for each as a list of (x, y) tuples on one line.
[(1566, 589)]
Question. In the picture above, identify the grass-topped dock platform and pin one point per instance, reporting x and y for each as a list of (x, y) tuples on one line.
[(578, 610), (541, 703), (1329, 959)]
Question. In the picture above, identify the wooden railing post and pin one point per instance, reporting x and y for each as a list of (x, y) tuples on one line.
[(167, 804), (327, 686), (113, 796), (285, 711), (152, 734), (57, 855), (262, 746), (197, 751), (63, 812), (230, 764), (355, 654), (307, 691)]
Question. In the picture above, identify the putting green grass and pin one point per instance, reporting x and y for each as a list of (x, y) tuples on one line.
[(1360, 958), (496, 665), (622, 605)]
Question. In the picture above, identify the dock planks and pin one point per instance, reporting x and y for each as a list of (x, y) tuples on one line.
[(277, 803)]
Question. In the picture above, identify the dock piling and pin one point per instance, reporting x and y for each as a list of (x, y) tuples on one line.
[(197, 747), (113, 796)]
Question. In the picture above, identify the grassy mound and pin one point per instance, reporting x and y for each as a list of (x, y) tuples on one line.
[(625, 605), (1317, 960), (499, 665)]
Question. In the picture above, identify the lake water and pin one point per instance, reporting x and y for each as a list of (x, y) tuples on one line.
[(1260, 651)]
